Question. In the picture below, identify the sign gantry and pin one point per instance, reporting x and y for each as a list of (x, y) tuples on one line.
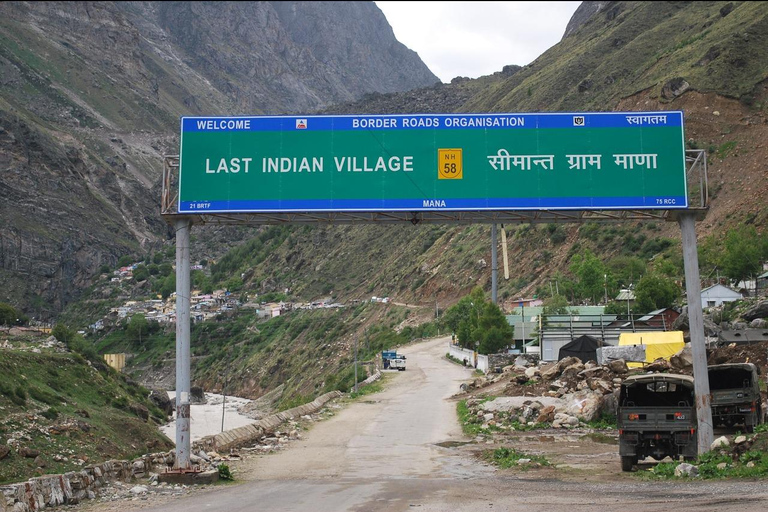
[(434, 168)]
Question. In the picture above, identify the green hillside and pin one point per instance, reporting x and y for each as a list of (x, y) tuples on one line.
[(61, 412)]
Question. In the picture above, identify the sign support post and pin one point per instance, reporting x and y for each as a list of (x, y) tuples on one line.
[(183, 227), (696, 327)]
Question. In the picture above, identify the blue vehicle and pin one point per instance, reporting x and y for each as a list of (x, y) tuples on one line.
[(388, 356)]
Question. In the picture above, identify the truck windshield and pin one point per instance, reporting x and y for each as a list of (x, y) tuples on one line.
[(731, 378), (657, 394)]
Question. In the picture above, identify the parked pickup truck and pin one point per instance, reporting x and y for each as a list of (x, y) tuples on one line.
[(389, 356), (736, 400), (397, 364), (657, 418)]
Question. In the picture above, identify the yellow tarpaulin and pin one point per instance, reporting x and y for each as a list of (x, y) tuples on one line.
[(657, 344)]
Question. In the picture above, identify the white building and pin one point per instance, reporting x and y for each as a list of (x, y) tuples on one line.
[(715, 295)]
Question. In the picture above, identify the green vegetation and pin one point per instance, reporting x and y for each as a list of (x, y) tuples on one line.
[(79, 411), (369, 389), (725, 149), (509, 457), (470, 424), (604, 422), (11, 316), (479, 324), (225, 473), (722, 464), (655, 292)]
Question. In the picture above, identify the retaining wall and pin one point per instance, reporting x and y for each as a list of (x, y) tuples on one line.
[(49, 491)]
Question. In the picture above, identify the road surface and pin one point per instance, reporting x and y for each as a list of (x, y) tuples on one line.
[(401, 449)]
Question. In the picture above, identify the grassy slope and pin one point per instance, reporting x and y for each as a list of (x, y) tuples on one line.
[(72, 410)]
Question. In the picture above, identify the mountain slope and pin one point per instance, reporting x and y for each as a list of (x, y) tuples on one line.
[(91, 97)]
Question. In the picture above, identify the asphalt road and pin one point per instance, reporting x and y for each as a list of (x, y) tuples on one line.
[(396, 451)]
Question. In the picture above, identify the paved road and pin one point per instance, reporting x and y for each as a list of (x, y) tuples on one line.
[(382, 454)]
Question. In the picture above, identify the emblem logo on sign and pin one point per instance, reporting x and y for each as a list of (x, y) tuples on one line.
[(301, 124), (578, 120)]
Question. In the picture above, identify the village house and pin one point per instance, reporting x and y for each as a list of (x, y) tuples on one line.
[(716, 295)]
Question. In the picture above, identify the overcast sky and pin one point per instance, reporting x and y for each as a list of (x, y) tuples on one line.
[(473, 39)]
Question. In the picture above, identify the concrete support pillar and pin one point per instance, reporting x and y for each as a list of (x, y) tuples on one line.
[(696, 323), (183, 228)]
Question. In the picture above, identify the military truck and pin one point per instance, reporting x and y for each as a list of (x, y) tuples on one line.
[(657, 418), (735, 391)]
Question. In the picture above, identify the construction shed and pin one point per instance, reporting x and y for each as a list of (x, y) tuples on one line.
[(584, 347)]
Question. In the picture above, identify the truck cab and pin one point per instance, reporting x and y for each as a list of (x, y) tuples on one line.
[(736, 399), (657, 418)]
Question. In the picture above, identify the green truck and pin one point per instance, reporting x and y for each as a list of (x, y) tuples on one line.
[(657, 418), (736, 399)]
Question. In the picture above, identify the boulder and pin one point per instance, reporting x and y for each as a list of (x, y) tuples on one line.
[(140, 410), (600, 385), (618, 366), (674, 88), (683, 359), (29, 453), (546, 415), (196, 395), (634, 353), (720, 442), (160, 398), (522, 379), (569, 361), (550, 372), (660, 365), (759, 310), (681, 324), (585, 405), (686, 469)]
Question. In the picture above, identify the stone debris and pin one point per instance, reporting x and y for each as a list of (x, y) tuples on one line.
[(686, 469)]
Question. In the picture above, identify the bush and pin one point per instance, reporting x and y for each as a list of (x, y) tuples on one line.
[(225, 473), (8, 314), (19, 396), (42, 396), (51, 414)]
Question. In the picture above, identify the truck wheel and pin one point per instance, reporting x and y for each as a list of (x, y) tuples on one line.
[(627, 463)]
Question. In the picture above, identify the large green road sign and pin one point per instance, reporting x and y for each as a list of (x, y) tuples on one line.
[(457, 162)]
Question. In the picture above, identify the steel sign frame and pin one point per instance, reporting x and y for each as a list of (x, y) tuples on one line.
[(390, 163)]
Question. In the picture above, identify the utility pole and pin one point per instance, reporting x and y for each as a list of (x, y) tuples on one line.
[(355, 364), (494, 266), (224, 393)]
